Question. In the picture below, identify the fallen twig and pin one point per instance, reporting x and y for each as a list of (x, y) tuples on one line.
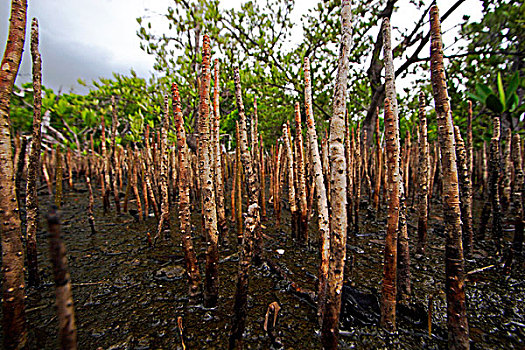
[(181, 329), (269, 324), (87, 284), (306, 294), (481, 269)]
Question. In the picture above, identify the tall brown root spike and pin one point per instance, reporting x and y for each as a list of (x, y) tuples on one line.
[(322, 203), (67, 330), (517, 204), (494, 179), (291, 185), (114, 161), (211, 286), (465, 189), (388, 289), (252, 226), (301, 178), (423, 178), (33, 165), (338, 224), (458, 331), (219, 188), (164, 221), (379, 165), (194, 278), (13, 288)]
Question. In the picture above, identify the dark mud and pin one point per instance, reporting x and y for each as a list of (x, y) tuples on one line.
[(128, 295)]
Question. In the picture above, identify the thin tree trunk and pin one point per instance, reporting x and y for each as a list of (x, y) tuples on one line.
[(114, 160), (517, 204), (106, 163), (403, 270), (262, 180), (238, 186), (469, 143), (252, 228), (134, 179), (423, 167), (485, 167), (507, 173), (174, 171), (388, 289), (255, 135), (164, 173), (310, 182), (291, 186), (33, 278), (458, 331), (211, 286), (406, 168), (322, 204), (47, 178), (119, 161), (326, 167), (129, 182), (194, 278), (338, 224), (494, 177), (277, 190), (349, 155), (465, 192), (59, 177), (403, 259), (366, 169), (219, 185), (301, 178), (270, 165), (357, 162), (434, 162), (67, 330), (70, 169), (149, 194), (91, 218), (140, 164), (379, 168), (13, 291)]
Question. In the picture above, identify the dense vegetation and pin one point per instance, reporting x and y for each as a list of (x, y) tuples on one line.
[(486, 60)]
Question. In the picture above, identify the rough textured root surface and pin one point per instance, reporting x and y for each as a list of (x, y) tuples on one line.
[(338, 222), (458, 330), (388, 289), (211, 286)]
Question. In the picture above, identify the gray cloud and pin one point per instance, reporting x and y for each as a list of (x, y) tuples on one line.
[(64, 60)]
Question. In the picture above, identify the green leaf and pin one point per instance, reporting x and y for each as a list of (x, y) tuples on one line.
[(475, 97), (501, 91), (494, 104), (483, 91)]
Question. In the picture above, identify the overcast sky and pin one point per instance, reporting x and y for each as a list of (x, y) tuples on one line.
[(88, 39)]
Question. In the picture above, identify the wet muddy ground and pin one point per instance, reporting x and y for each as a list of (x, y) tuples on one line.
[(128, 295)]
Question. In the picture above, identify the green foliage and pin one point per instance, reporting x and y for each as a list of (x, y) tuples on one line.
[(506, 100), (257, 37), (491, 71), (76, 116)]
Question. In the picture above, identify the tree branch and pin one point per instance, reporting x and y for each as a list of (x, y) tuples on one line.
[(415, 56), (465, 54)]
